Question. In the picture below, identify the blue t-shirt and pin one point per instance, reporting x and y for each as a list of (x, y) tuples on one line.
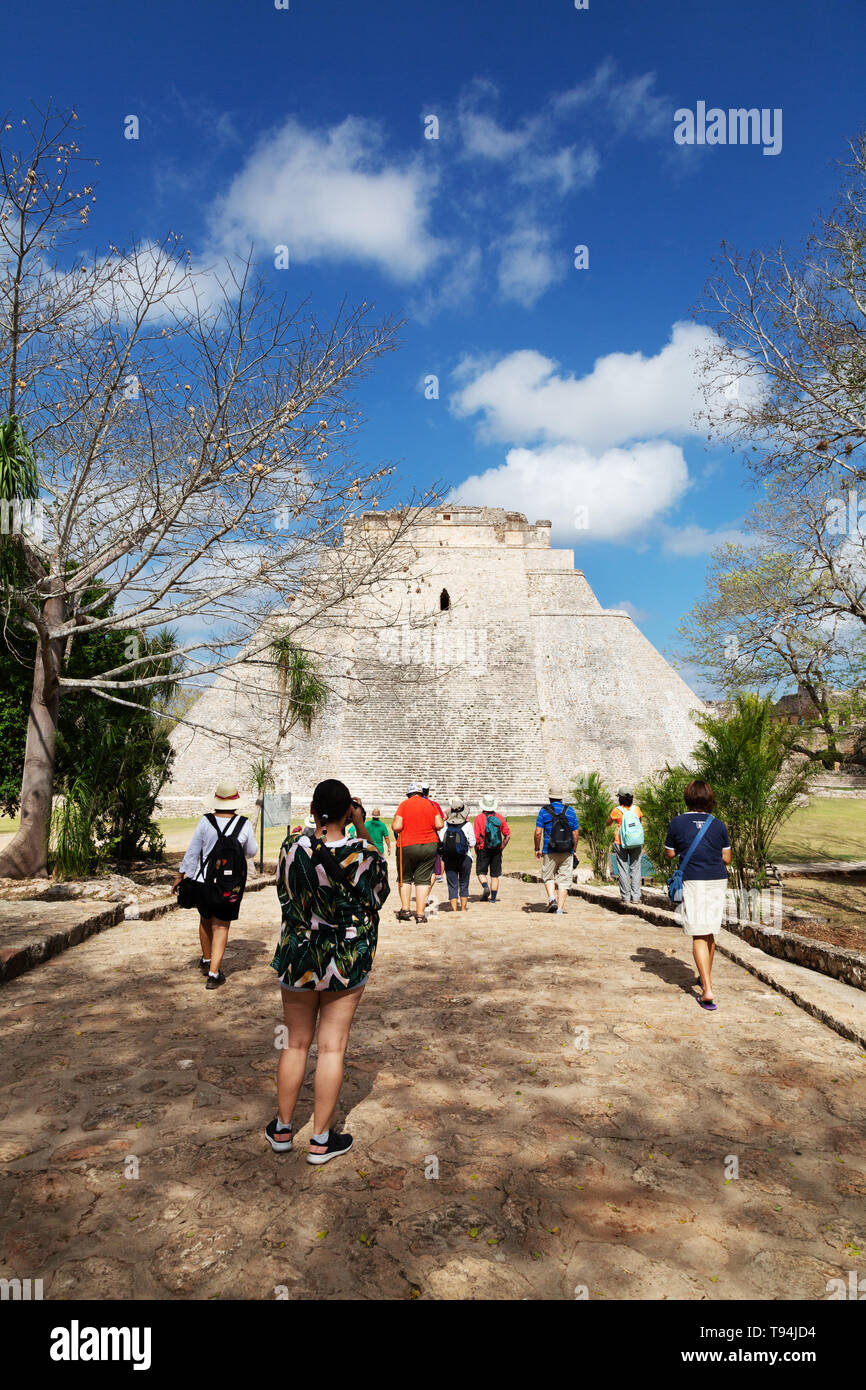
[(706, 862), (545, 820)]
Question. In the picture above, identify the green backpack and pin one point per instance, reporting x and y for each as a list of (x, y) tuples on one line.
[(631, 828)]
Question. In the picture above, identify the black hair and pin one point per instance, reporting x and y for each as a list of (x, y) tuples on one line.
[(331, 800), (626, 800)]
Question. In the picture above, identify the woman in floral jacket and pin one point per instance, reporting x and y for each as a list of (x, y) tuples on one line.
[(330, 888)]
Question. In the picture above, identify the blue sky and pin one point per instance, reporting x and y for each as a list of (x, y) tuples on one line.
[(559, 388)]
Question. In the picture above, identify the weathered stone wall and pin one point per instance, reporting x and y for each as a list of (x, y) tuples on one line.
[(524, 680)]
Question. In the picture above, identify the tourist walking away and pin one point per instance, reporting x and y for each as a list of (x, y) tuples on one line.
[(556, 835), (377, 831), (700, 880), (213, 874), (628, 844), (330, 888), (492, 834), (437, 863), (457, 837), (417, 822)]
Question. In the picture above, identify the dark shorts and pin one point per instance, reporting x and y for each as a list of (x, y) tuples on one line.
[(489, 861), (415, 863), (228, 911), (457, 875)]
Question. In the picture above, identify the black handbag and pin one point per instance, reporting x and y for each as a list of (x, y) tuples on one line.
[(186, 894)]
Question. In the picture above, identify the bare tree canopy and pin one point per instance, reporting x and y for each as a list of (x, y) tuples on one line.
[(193, 446), (789, 364), (790, 354)]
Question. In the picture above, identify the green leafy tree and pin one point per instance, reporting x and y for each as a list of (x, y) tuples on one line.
[(302, 693), (747, 758), (660, 798), (592, 802), (764, 623), (112, 760)]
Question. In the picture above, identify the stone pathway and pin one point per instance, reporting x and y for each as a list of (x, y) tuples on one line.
[(585, 1119)]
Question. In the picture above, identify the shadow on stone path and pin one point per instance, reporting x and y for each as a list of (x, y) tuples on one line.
[(583, 1115)]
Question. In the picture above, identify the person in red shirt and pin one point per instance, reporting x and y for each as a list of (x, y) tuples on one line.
[(437, 863), (491, 836), (417, 824)]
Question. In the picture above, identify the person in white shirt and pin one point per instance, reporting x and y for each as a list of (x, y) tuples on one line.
[(458, 867), (214, 931)]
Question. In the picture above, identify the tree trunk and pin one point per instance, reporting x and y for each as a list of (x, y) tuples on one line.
[(27, 855)]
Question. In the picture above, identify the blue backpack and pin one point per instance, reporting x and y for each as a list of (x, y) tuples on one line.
[(675, 882)]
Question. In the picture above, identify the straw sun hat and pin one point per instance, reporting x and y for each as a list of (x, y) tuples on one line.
[(227, 791)]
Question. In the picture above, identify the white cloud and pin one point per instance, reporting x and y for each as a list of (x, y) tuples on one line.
[(329, 195), (568, 167), (528, 265), (485, 138), (172, 284), (626, 396), (637, 615), (629, 104), (698, 540), (602, 496), (455, 287)]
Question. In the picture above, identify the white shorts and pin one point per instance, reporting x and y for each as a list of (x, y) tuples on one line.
[(703, 905)]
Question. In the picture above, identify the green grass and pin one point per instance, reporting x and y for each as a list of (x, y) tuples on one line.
[(831, 828)]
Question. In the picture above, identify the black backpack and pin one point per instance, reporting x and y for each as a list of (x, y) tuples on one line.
[(454, 843), (225, 871), (560, 839)]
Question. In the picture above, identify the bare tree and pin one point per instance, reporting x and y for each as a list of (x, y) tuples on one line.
[(764, 621), (790, 354), (192, 436), (788, 361)]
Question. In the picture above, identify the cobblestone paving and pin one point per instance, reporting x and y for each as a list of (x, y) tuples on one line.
[(583, 1115)]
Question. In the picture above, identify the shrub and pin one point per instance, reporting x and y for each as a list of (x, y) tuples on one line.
[(660, 798), (592, 801)]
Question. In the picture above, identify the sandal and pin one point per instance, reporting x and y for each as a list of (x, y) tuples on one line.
[(422, 918), (404, 915)]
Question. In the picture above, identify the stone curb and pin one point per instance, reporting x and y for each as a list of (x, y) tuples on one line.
[(18, 960), (752, 958), (822, 868)]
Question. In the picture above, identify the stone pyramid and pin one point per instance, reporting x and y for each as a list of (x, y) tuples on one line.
[(488, 665)]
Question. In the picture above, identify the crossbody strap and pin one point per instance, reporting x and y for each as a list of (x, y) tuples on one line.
[(696, 841)]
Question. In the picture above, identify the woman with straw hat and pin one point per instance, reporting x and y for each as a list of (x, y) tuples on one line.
[(458, 841), (213, 834)]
